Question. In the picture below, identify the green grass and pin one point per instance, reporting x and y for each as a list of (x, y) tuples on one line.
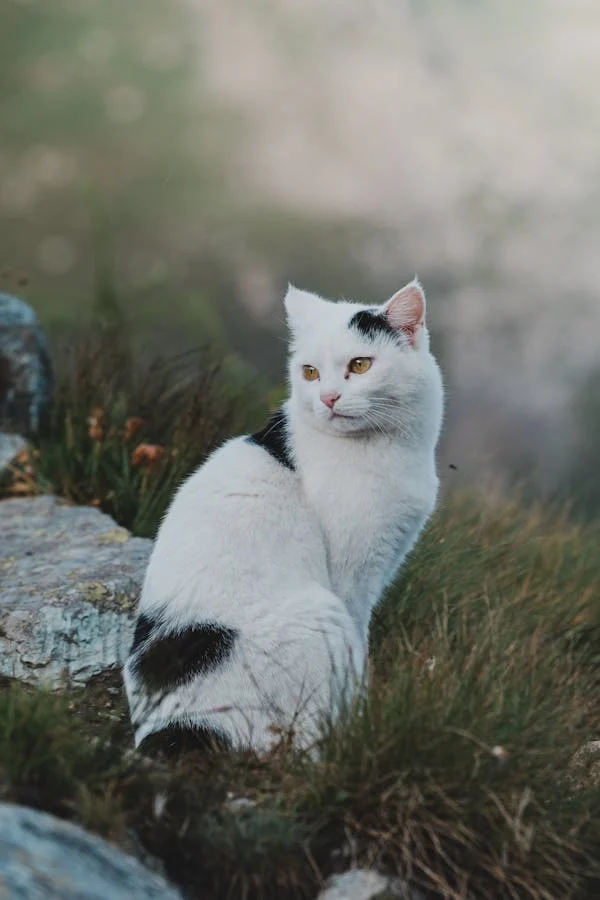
[(457, 771), (111, 399)]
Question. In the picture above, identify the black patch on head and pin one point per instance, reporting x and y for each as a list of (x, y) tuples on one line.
[(372, 325), (144, 627), (170, 660), (273, 439), (178, 738)]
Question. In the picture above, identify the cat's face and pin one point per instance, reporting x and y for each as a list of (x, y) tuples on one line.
[(356, 368)]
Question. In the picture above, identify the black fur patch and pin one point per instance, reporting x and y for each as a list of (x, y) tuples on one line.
[(273, 439), (177, 739), (144, 627), (372, 325), (171, 660)]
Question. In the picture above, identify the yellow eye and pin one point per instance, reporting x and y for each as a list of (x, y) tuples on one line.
[(360, 365), (310, 373)]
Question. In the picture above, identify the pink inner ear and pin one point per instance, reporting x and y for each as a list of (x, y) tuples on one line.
[(405, 311)]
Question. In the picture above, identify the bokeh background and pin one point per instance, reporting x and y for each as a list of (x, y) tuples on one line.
[(182, 162)]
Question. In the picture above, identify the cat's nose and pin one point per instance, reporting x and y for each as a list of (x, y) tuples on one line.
[(330, 399)]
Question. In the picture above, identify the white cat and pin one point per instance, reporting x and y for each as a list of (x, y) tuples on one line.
[(254, 614)]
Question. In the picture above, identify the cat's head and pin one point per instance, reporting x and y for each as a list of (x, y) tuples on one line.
[(357, 369)]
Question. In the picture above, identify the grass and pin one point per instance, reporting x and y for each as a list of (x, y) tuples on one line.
[(456, 774), (128, 425)]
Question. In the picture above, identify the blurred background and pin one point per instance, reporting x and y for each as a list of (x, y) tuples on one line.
[(180, 163)]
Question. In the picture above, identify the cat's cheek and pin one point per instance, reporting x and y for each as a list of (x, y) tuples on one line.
[(308, 401), (317, 409), (310, 394)]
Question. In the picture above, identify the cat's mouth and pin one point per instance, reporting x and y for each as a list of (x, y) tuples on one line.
[(337, 415)]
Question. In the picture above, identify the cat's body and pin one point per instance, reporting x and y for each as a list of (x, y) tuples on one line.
[(255, 609)]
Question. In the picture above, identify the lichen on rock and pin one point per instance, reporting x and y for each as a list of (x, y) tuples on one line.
[(68, 590)]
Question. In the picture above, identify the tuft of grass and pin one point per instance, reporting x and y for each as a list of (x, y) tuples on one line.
[(454, 773), (127, 427)]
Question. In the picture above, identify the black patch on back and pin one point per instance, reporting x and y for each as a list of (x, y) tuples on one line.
[(178, 738), (144, 627), (171, 660), (273, 439), (372, 325)]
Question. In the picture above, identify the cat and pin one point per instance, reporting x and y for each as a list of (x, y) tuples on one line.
[(254, 613)]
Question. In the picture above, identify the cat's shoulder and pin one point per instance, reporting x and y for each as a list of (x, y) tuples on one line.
[(264, 453), (274, 439)]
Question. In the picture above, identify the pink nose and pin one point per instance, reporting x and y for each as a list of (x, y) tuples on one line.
[(330, 399)]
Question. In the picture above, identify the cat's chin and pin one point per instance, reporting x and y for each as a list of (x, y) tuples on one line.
[(338, 424)]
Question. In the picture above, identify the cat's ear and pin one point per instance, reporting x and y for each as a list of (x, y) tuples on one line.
[(300, 306), (405, 311)]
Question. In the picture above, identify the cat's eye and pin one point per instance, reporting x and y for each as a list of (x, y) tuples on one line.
[(360, 365), (310, 373)]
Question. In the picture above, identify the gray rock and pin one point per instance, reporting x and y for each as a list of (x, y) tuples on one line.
[(25, 367), (69, 580), (44, 858), (366, 884), (584, 769), (10, 446)]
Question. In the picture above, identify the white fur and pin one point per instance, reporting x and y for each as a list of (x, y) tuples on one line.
[(296, 560)]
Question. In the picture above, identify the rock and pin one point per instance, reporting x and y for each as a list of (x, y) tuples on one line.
[(44, 858), (25, 367), (69, 580), (238, 804), (584, 770), (10, 446), (365, 884)]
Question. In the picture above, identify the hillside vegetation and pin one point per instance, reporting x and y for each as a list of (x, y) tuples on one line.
[(457, 772)]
